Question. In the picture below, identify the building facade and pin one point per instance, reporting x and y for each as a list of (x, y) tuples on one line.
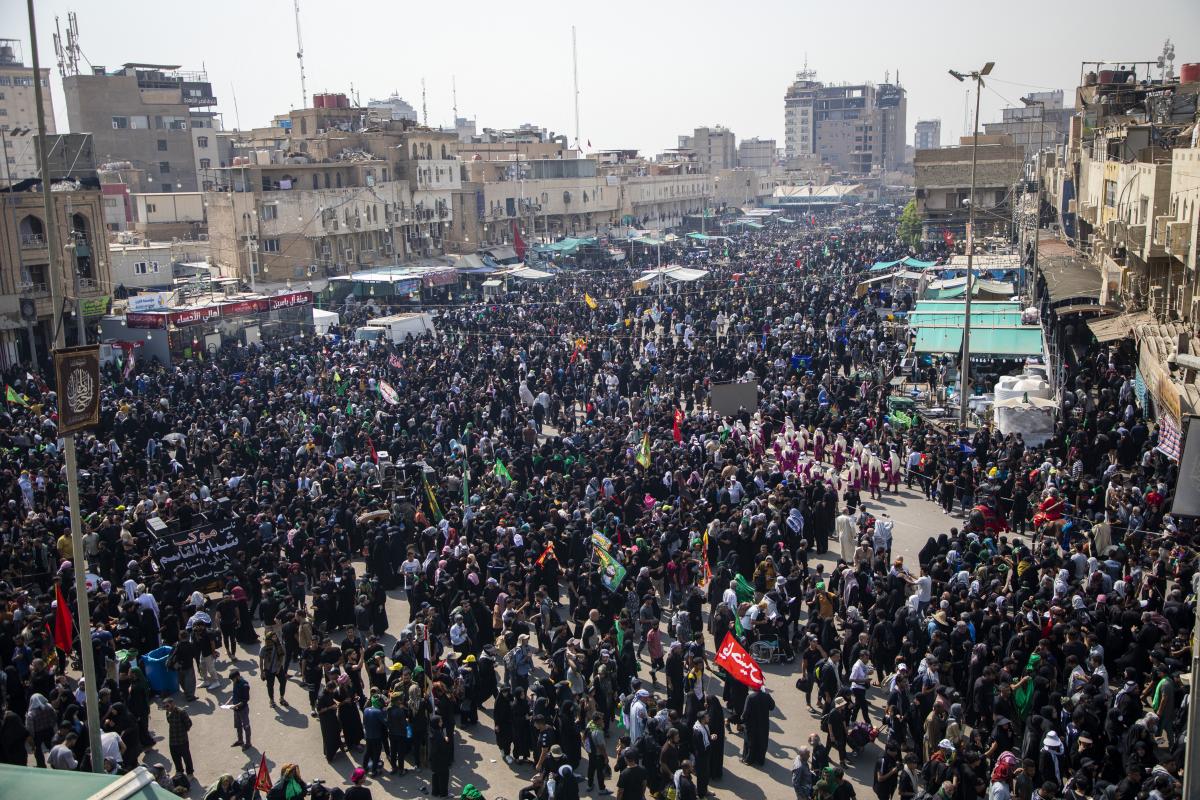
[(756, 153), (800, 130), (943, 187), (26, 310), (928, 134), (18, 113), (1035, 127), (142, 114), (715, 148), (855, 128)]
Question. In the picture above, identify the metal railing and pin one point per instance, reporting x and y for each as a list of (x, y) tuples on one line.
[(32, 241)]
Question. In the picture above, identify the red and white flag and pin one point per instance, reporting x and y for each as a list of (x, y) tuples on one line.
[(734, 659)]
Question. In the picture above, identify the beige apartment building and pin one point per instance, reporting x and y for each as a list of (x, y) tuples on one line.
[(18, 113), (27, 315)]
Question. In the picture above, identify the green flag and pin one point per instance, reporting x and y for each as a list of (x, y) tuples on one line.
[(612, 572), (502, 470), (12, 398), (738, 631), (620, 635), (643, 455), (744, 589), (466, 485)]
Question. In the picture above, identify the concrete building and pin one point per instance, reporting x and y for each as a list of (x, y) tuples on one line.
[(146, 265), (715, 148), (142, 114), (206, 147), (757, 154), (943, 187), (800, 130), (329, 190), (18, 113), (164, 216), (393, 107), (1027, 126), (928, 135), (856, 128), (662, 201), (26, 312), (741, 187)]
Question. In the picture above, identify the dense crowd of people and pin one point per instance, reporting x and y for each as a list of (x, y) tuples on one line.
[(575, 529)]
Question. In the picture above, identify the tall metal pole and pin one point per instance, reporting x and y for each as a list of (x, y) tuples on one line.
[(92, 688), (965, 369), (1037, 214), (575, 73)]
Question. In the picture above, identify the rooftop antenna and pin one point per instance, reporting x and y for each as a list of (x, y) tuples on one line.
[(424, 111), (300, 58), (236, 114), (454, 98), (575, 71), (67, 49)]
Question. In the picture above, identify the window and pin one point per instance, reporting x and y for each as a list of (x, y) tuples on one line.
[(139, 268), (1, 95), (270, 212), (201, 141), (151, 208), (162, 145), (120, 123), (22, 81), (165, 187), (270, 245), (1110, 193), (3, 112), (5, 80), (139, 122), (206, 163), (164, 167)]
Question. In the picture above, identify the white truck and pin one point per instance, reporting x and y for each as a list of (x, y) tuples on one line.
[(396, 328)]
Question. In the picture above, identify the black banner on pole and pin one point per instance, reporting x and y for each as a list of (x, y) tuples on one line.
[(78, 372)]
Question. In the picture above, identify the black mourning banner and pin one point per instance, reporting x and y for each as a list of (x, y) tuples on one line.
[(78, 373), (200, 555)]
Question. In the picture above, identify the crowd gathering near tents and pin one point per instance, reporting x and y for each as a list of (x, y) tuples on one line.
[(598, 564)]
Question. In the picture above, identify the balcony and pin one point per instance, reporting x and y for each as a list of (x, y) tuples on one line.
[(1178, 239), (34, 289), (32, 241)]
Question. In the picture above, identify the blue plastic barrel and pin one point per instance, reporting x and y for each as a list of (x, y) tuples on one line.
[(163, 679)]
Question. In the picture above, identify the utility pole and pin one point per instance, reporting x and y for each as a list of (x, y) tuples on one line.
[(92, 686), (300, 58), (575, 73), (1037, 177), (964, 377)]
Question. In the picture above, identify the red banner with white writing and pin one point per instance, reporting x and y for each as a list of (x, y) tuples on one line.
[(734, 659)]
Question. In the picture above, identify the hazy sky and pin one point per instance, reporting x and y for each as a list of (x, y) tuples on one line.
[(648, 70)]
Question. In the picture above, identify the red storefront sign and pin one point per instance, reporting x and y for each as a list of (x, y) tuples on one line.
[(194, 316), (290, 300), (144, 320), (243, 307)]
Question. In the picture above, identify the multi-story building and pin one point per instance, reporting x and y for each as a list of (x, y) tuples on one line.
[(26, 310), (329, 190), (756, 154), (856, 128), (1041, 125), (143, 114), (800, 130), (18, 113), (715, 148), (544, 198), (394, 107), (206, 147), (928, 135), (943, 187)]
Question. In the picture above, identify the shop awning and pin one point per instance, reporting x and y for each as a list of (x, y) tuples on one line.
[(530, 274), (1010, 342), (492, 283), (502, 253), (1109, 329)]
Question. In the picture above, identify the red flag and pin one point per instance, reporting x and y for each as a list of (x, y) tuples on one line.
[(677, 428), (371, 447), (548, 552), (947, 237), (262, 783), (518, 242), (63, 624), (734, 659)]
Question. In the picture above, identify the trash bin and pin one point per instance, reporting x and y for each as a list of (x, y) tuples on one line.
[(162, 678)]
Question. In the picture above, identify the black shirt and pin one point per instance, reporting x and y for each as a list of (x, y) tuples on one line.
[(633, 782)]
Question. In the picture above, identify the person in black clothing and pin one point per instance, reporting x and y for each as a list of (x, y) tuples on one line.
[(439, 757), (632, 783)]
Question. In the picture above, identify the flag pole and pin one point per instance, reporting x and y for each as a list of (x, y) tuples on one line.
[(92, 687)]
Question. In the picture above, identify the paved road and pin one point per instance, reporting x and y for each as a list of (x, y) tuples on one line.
[(290, 734)]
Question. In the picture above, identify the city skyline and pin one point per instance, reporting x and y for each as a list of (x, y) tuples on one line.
[(637, 89)]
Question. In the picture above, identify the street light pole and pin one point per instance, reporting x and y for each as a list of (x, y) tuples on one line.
[(965, 368), (78, 556), (1037, 177)]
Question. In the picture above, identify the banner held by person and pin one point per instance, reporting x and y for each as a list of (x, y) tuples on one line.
[(78, 372), (734, 659), (612, 572)]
